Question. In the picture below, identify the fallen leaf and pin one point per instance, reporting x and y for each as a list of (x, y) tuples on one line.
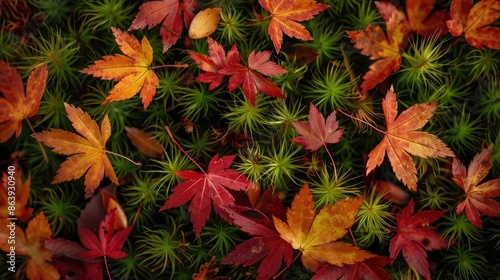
[(478, 197), (414, 236), (169, 14), (401, 138), (315, 234), (208, 272), (21, 191), (31, 245), (265, 243), (285, 18), (391, 192), (144, 142), (370, 269), (15, 106), (132, 71), (109, 243), (204, 23), (206, 188), (476, 22), (317, 133), (384, 49), (86, 154), (251, 77), (213, 63), (420, 16)]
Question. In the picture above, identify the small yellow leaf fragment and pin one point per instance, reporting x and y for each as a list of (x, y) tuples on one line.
[(204, 23)]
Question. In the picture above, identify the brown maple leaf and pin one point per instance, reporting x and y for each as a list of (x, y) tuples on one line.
[(132, 71), (400, 138), (285, 16), (86, 153), (316, 234), (478, 197), (476, 22), (384, 49), (15, 106)]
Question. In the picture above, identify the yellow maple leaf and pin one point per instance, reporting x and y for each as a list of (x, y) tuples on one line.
[(131, 71), (31, 245), (87, 152), (315, 234)]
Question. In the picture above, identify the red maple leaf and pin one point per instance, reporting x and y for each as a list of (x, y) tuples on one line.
[(207, 187), (415, 236), (370, 269), (477, 196), (213, 63), (108, 244), (317, 132), (168, 13), (251, 77), (265, 243)]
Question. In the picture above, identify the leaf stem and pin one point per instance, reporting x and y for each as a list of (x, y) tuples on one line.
[(333, 162), (107, 268), (360, 120), (124, 157), (39, 144), (284, 269), (169, 65), (182, 150)]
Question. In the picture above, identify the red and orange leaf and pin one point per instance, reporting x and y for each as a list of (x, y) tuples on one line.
[(415, 236), (31, 245), (315, 234), (109, 243), (131, 71), (370, 269), (478, 197), (265, 243), (285, 18), (144, 142), (213, 63), (169, 14), (15, 106), (206, 188), (21, 191), (384, 49), (251, 77), (208, 271), (402, 139), (317, 132), (476, 22), (419, 16), (86, 154)]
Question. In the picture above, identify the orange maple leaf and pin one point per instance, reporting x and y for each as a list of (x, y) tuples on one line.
[(15, 106), (87, 152), (475, 22), (400, 138), (384, 49), (478, 197), (131, 71), (30, 245), (285, 16), (314, 234), (22, 193)]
